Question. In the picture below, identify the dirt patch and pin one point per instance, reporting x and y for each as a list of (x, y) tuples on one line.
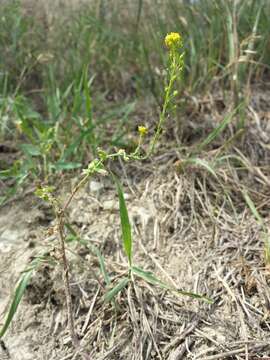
[(20, 232)]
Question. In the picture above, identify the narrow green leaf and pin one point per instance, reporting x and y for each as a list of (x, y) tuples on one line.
[(148, 276), (218, 130), (88, 100), (261, 222), (8, 173), (68, 91), (252, 207), (152, 279), (101, 261), (201, 163), (20, 289), (89, 109), (62, 165), (94, 250), (267, 248), (125, 224), (110, 295), (74, 233), (30, 149)]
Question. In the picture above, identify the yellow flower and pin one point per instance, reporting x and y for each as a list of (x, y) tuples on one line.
[(142, 130), (173, 39)]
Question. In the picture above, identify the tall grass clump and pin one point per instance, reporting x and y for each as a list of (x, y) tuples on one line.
[(118, 47), (20, 38), (225, 40)]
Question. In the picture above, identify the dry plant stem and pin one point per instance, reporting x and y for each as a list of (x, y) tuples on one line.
[(60, 213), (60, 224), (73, 193)]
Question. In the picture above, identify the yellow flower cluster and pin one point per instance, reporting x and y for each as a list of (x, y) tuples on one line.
[(142, 130), (173, 39)]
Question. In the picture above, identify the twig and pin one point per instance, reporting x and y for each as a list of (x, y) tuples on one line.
[(234, 352), (180, 352), (60, 224), (181, 337), (86, 323)]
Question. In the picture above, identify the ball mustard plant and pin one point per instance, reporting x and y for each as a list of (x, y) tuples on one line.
[(174, 43)]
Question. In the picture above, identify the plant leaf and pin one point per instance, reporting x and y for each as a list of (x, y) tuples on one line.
[(20, 289), (201, 163), (93, 249), (100, 257), (218, 130), (110, 295), (62, 165), (30, 149), (252, 207), (125, 224), (152, 279)]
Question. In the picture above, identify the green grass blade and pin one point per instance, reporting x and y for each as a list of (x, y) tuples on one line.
[(88, 100), (261, 222), (218, 130), (202, 163), (31, 150), (93, 250), (89, 109), (139, 13), (98, 254), (62, 165), (152, 279), (20, 289), (253, 209), (110, 295), (125, 224), (267, 248)]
